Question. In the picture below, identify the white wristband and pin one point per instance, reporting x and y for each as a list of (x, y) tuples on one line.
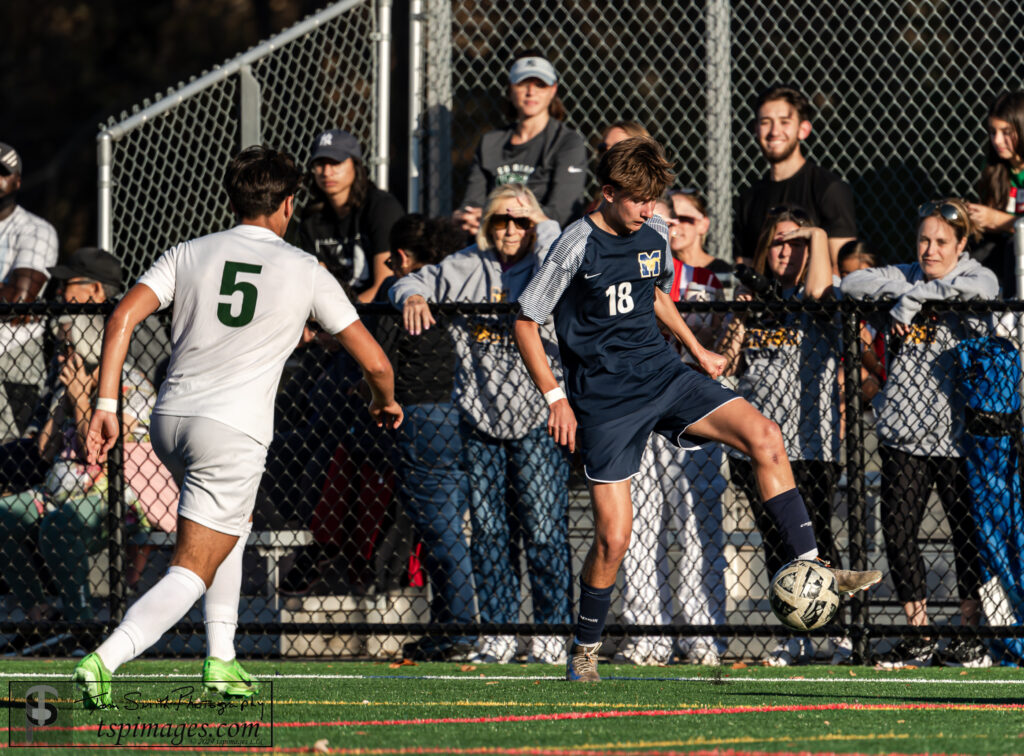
[(554, 395), (106, 404)]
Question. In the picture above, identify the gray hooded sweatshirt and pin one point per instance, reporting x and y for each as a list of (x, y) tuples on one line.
[(493, 390), (920, 410)]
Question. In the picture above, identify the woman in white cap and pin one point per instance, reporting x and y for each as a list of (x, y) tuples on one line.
[(348, 223), (537, 149)]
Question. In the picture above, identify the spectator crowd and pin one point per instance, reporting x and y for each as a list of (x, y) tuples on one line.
[(475, 487)]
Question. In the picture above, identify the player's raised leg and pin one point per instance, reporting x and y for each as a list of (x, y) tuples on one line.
[(740, 425), (613, 523)]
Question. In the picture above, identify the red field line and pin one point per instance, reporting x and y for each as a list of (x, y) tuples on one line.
[(483, 750), (571, 715)]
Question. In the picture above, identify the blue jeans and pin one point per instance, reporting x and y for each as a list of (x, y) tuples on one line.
[(519, 486), (433, 488)]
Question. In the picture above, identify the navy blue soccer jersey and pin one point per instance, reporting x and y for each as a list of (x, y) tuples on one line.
[(600, 288)]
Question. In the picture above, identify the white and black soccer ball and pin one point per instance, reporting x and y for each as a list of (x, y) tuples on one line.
[(803, 595)]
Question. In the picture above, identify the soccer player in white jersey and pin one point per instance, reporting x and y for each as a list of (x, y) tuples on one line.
[(606, 281), (241, 298)]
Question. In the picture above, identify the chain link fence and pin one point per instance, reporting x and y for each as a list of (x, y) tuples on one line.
[(468, 525), (900, 90), (161, 169), (420, 543)]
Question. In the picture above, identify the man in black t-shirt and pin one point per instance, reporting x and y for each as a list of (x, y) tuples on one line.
[(782, 121)]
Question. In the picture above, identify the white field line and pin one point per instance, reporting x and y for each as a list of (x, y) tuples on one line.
[(490, 678)]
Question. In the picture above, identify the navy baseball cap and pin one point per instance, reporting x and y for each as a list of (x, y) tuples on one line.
[(532, 67), (337, 145), (90, 262), (10, 161)]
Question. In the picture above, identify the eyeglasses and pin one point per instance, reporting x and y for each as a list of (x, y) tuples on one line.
[(949, 212), (504, 219), (793, 212)]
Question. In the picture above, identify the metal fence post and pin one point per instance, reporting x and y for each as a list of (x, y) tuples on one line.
[(115, 525), (416, 58), (856, 490), (104, 220), (1018, 249), (719, 137), (383, 93), (439, 107), (249, 100)]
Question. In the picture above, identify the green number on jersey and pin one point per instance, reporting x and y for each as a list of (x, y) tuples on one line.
[(228, 286)]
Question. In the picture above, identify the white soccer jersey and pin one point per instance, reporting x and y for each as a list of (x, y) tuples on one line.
[(26, 241), (241, 298)]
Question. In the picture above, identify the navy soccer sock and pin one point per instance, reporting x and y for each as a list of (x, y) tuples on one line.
[(794, 523), (594, 603)]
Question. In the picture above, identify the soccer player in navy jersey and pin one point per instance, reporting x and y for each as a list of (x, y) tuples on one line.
[(607, 281)]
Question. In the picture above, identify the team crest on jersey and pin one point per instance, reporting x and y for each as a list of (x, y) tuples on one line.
[(650, 263)]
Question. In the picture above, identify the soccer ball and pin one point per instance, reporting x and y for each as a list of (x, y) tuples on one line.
[(803, 595)]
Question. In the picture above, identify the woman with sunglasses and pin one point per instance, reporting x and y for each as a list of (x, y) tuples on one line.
[(1001, 188), (682, 486), (536, 149), (518, 475), (787, 363), (920, 419)]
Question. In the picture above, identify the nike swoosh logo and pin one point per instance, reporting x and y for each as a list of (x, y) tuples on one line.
[(574, 169), (591, 275)]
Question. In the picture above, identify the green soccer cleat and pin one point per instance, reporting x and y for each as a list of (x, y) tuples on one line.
[(228, 678), (93, 680)]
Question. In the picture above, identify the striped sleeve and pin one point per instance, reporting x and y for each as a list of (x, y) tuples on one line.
[(664, 281), (540, 296)]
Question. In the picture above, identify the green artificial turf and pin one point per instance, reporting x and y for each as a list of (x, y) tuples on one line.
[(380, 708)]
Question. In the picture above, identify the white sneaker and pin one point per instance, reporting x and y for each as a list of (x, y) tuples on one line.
[(644, 652), (842, 651), (789, 653), (495, 649), (547, 649), (704, 653)]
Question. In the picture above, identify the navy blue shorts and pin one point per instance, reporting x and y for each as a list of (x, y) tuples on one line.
[(612, 450)]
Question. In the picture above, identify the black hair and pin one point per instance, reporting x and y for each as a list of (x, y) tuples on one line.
[(428, 240), (258, 179), (356, 194), (994, 186)]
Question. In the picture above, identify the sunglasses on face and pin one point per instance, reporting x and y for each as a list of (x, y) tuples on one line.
[(503, 220), (949, 213), (793, 212)]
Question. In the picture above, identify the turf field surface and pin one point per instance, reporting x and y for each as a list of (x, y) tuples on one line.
[(387, 708)]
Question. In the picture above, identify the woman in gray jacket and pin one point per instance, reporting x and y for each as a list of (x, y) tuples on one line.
[(920, 419), (518, 475), (537, 149)]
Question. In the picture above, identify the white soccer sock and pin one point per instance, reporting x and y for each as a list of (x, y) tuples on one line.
[(152, 616), (220, 607)]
